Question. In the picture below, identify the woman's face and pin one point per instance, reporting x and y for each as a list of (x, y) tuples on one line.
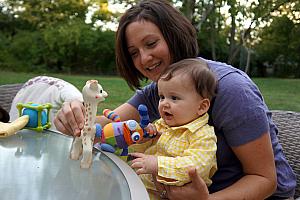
[(148, 48)]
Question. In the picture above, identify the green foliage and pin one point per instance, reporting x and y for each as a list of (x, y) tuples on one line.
[(207, 41), (22, 53), (76, 47), (65, 47), (279, 46), (54, 35), (40, 14)]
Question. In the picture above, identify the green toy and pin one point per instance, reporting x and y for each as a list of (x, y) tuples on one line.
[(38, 115)]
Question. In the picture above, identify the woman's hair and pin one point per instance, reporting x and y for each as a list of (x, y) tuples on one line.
[(203, 79), (178, 32)]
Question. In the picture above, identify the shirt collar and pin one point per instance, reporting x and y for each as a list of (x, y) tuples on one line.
[(192, 126)]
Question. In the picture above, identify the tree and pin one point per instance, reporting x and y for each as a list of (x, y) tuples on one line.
[(209, 17), (40, 14), (53, 36), (279, 46)]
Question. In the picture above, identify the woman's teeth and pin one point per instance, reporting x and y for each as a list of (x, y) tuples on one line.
[(153, 67)]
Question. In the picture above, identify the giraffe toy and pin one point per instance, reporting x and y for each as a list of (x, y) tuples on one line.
[(92, 94)]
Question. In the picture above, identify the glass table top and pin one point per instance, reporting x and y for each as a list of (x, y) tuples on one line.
[(36, 166)]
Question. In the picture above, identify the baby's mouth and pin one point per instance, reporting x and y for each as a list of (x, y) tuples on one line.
[(168, 115)]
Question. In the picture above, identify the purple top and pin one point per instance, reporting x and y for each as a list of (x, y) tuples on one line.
[(239, 115)]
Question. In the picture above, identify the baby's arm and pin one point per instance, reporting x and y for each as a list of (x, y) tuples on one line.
[(199, 152)]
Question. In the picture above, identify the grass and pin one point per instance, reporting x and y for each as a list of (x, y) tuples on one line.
[(279, 94)]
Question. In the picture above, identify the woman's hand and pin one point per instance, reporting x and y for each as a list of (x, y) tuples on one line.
[(70, 118), (195, 190)]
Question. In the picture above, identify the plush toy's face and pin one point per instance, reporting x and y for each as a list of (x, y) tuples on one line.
[(132, 131), (122, 134)]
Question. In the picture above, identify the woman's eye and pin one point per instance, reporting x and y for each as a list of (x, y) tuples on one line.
[(133, 54), (151, 44)]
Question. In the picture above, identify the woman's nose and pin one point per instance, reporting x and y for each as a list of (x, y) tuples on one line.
[(146, 56)]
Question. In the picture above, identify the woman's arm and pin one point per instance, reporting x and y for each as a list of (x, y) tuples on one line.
[(259, 181), (70, 118), (126, 112)]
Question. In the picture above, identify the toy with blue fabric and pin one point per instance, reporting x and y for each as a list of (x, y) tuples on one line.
[(117, 136)]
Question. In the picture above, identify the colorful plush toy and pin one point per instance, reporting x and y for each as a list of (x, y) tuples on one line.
[(117, 136)]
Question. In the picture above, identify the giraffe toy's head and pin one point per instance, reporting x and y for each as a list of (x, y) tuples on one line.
[(93, 92)]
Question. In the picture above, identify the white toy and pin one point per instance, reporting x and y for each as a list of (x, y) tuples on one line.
[(92, 94)]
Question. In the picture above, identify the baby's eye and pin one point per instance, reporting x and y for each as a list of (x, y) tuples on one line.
[(174, 98), (161, 97)]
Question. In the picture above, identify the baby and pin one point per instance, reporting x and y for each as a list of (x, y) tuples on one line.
[(184, 138)]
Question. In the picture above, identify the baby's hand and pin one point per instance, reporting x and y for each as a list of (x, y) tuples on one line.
[(144, 164), (152, 133)]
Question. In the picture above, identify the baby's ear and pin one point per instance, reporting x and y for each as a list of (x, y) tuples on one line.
[(203, 107)]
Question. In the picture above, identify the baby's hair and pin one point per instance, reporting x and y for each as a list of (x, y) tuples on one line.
[(197, 70)]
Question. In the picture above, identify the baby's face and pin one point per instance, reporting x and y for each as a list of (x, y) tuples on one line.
[(179, 102)]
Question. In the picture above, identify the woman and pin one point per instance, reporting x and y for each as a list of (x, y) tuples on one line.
[(151, 36)]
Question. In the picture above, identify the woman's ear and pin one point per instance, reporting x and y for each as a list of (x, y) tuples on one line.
[(203, 107)]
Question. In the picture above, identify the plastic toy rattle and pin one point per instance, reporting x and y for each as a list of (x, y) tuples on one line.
[(118, 136), (38, 115)]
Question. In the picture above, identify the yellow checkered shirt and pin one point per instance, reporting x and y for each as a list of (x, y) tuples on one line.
[(178, 148)]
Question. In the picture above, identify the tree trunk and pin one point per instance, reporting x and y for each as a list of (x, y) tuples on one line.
[(232, 47), (247, 68), (188, 8)]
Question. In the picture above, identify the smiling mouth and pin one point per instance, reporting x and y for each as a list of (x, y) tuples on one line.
[(153, 66)]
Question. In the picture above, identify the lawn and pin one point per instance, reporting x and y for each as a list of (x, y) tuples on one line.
[(279, 94)]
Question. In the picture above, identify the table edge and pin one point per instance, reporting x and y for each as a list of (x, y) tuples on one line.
[(136, 186)]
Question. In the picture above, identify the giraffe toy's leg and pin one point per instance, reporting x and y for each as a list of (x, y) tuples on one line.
[(76, 149), (87, 143)]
